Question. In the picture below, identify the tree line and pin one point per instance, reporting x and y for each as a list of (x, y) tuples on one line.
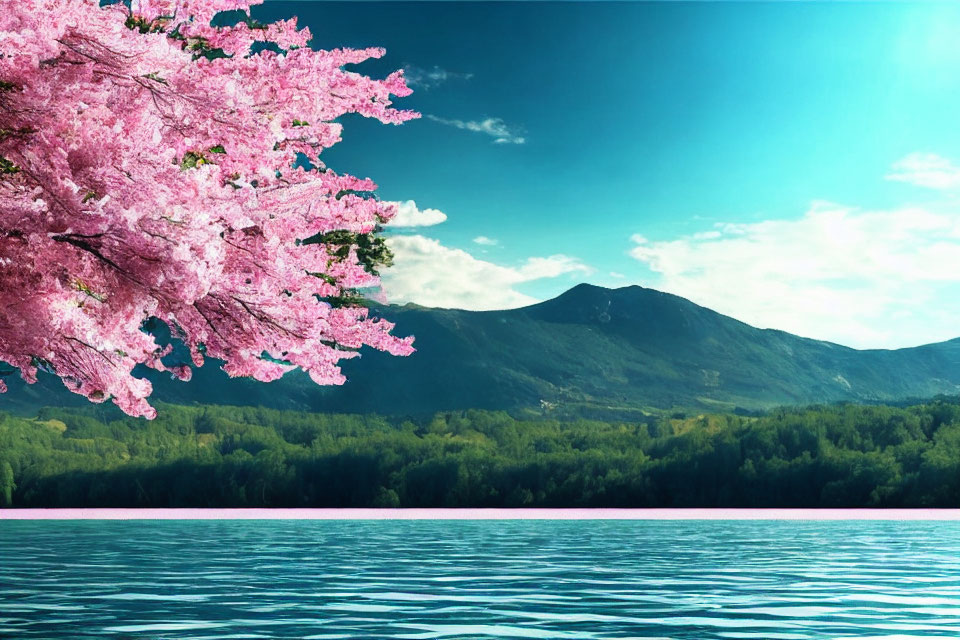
[(217, 456)]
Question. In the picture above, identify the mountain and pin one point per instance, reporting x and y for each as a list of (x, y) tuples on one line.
[(591, 347)]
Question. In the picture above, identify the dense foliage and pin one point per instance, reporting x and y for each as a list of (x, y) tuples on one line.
[(837, 456), (157, 167)]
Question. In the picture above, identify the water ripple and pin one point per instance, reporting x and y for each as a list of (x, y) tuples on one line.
[(564, 580)]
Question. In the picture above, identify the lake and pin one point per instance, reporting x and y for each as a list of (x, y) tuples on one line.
[(193, 580)]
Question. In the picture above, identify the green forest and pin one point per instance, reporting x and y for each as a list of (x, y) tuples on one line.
[(217, 456)]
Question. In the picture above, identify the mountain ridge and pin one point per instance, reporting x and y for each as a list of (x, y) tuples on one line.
[(629, 348)]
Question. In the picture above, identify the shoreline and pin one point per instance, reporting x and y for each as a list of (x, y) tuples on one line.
[(484, 514)]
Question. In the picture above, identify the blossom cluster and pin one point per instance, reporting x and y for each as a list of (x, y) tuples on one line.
[(155, 166)]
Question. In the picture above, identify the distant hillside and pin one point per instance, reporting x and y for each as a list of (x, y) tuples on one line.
[(590, 347)]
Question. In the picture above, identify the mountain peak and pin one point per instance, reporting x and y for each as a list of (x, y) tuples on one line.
[(632, 305), (585, 286), (590, 292)]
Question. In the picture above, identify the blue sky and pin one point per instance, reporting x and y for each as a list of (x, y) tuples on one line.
[(790, 164)]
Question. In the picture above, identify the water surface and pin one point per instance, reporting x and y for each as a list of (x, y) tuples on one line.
[(193, 580)]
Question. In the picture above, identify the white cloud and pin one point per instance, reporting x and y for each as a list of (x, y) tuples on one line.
[(428, 273), (408, 215), (861, 278), (926, 170), (485, 241), (617, 275), (707, 235), (429, 78), (493, 127)]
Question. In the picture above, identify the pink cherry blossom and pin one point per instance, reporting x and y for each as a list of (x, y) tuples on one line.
[(147, 171)]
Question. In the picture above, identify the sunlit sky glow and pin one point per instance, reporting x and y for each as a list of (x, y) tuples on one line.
[(793, 165)]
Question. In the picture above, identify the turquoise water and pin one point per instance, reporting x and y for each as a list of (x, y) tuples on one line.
[(480, 579)]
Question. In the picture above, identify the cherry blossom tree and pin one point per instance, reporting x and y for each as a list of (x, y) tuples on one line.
[(154, 167)]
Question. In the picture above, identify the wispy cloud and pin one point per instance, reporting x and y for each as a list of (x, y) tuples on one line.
[(493, 127), (408, 215), (485, 241), (431, 274), (926, 170), (430, 78), (862, 278)]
